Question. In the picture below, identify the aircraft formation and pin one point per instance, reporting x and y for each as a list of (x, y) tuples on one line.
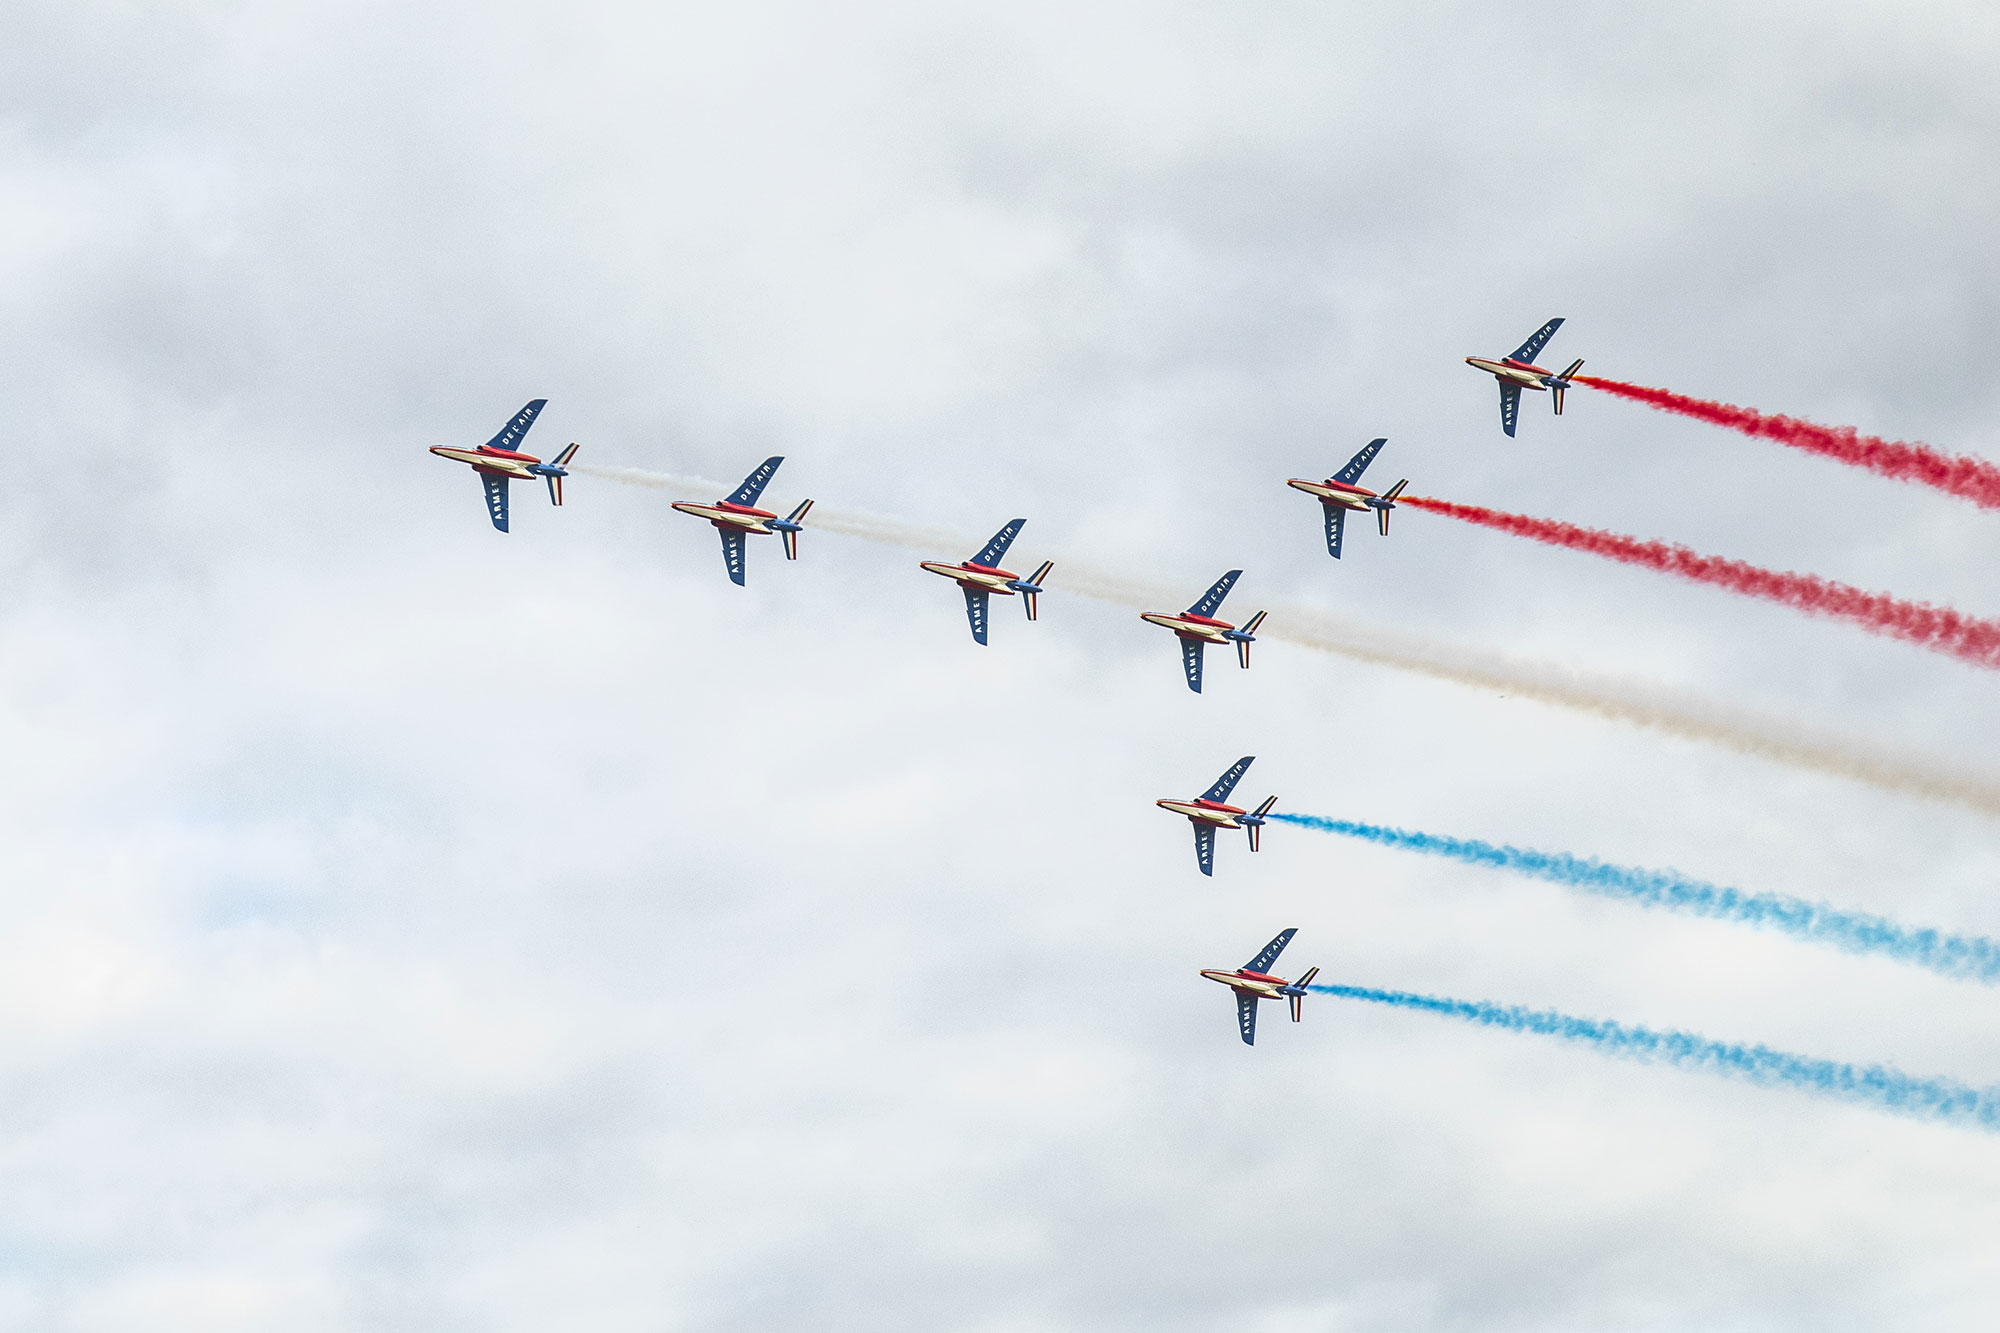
[(981, 577)]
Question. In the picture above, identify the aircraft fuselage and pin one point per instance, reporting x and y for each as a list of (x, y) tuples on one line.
[(1245, 982), (1335, 493), (1204, 811), (1190, 626), (1513, 372), (493, 462), (983, 578), (726, 515)]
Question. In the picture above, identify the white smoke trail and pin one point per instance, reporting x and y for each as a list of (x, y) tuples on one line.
[(1634, 703)]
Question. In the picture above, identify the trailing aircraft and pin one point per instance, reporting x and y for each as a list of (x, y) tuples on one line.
[(737, 517), (497, 462), (1208, 813), (981, 577), (1197, 628), (1343, 492), (1252, 983), (1517, 371)]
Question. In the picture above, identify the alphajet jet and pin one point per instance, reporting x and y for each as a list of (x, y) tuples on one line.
[(738, 517), (497, 462), (1197, 628), (1252, 983), (1208, 813), (982, 576), (1517, 371), (1343, 492)]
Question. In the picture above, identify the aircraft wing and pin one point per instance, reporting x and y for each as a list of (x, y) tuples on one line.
[(1359, 463), (1246, 1017), (754, 484), (1269, 954), (510, 434), (994, 551), (1227, 782), (1191, 662), (1537, 340), (496, 495), (975, 611), (1510, 406), (1336, 523), (1213, 597), (1204, 847), (732, 553)]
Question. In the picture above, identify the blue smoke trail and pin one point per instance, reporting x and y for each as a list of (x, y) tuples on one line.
[(1878, 1085), (1972, 957)]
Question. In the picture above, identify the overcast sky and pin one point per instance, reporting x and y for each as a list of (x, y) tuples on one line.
[(408, 926)]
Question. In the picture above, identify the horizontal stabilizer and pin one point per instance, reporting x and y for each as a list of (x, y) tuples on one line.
[(788, 530), (562, 459), (554, 479)]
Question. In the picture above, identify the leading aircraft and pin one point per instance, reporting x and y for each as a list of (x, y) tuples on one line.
[(1342, 492), (1208, 813), (737, 516), (1197, 628), (982, 576), (1252, 983), (1517, 371), (497, 462)]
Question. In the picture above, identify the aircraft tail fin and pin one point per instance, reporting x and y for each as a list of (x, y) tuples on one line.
[(1297, 999), (562, 459), (1561, 383), (1245, 636), (1388, 502), (1034, 587), (554, 479), (789, 529), (1255, 822)]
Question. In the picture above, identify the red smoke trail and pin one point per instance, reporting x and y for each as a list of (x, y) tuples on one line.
[(1935, 627), (1972, 479)]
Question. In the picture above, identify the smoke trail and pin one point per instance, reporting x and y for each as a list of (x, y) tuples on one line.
[(1972, 479), (1971, 957), (1938, 628), (1633, 703), (1876, 1085)]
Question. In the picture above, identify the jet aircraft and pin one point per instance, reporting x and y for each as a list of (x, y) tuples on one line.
[(1343, 491), (1197, 628), (497, 462), (1517, 371), (737, 517), (1208, 813), (982, 576), (1252, 983)]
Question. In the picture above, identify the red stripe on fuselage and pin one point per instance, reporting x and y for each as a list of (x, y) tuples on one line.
[(508, 454), (744, 510)]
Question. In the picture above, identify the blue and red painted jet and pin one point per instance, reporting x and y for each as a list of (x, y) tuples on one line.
[(737, 517), (1517, 371), (1343, 492), (1197, 627), (981, 577), (1208, 813), (497, 462), (1252, 983)]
